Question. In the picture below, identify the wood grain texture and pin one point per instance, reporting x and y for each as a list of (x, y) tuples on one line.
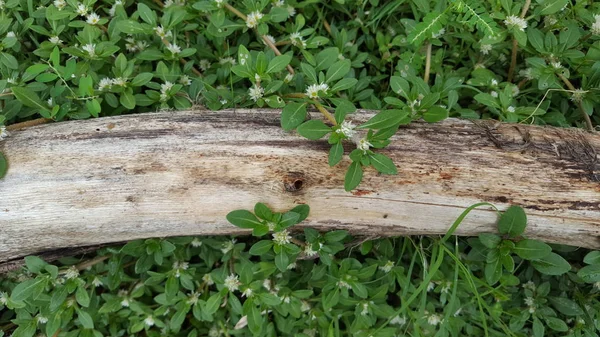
[(92, 182)]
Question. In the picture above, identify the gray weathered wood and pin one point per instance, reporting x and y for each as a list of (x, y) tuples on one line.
[(83, 183)]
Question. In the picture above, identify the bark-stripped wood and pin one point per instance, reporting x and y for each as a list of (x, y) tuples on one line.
[(84, 183)]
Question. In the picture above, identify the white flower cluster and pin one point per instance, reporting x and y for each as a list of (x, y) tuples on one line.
[(253, 19), (204, 65), (90, 49), (232, 282), (578, 95), (515, 21), (256, 92), (208, 279), (296, 40), (3, 132), (164, 91), (219, 3), (92, 18), (170, 3), (595, 28), (132, 45), (160, 31), (398, 320), (227, 246), (82, 9), (312, 91), (281, 238), (173, 48), (113, 8), (387, 267), (72, 273), (434, 319), (59, 4), (346, 129), (149, 321), (55, 40), (178, 267), (107, 83), (226, 60), (530, 302), (485, 48), (363, 145)]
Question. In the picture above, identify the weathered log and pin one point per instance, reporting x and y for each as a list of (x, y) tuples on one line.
[(84, 183)]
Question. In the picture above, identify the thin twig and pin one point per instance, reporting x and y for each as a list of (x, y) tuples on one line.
[(89, 263), (427, 63), (324, 112), (326, 26), (586, 118), (27, 124), (515, 46)]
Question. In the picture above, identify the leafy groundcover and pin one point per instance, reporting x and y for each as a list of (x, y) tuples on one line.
[(515, 61)]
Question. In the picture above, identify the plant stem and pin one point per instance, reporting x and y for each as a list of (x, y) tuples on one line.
[(27, 124), (235, 11), (89, 263), (326, 26), (183, 61), (586, 118), (427, 63), (324, 112), (295, 95), (515, 46)]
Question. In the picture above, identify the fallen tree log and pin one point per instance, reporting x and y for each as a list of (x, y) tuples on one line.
[(93, 182)]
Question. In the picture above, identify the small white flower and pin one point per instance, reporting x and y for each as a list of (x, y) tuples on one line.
[(308, 251), (227, 246), (223, 101), (232, 282), (11, 80), (160, 31), (173, 48), (515, 21), (55, 40), (457, 312), (430, 286), (387, 267), (93, 18), (286, 299), (226, 60), (511, 109), (515, 90), (531, 310), (278, 3), (165, 87), (446, 287), (305, 306), (204, 65), (178, 267), (479, 66), (256, 92), (556, 65), (11, 34), (120, 81), (526, 73), (291, 11), (270, 38), (105, 83), (208, 279), (291, 266), (439, 33), (141, 45), (296, 40), (595, 28), (149, 321), (3, 298), (125, 302), (130, 44), (529, 285), (163, 97), (494, 82), (288, 78), (494, 94), (59, 4), (363, 145), (196, 243), (485, 48), (90, 49), (50, 102), (71, 273), (398, 320), (529, 301), (247, 292), (3, 134), (267, 284), (343, 284), (82, 9), (346, 129), (96, 282), (193, 298), (253, 18), (219, 3), (365, 309), (41, 319), (434, 319), (214, 332), (282, 238)]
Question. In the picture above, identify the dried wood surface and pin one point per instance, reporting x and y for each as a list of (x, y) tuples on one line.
[(93, 182)]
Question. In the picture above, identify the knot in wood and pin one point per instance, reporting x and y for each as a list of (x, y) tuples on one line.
[(294, 181)]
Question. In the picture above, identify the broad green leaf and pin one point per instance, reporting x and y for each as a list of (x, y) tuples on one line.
[(85, 319), (532, 249), (538, 328), (131, 27), (353, 176), (556, 324), (35, 264), (127, 99), (383, 164), (435, 114), (309, 72), (141, 79), (400, 86), (171, 287), (384, 119), (26, 289), (302, 211), (551, 264), (282, 261), (93, 107), (590, 274), (29, 98), (82, 296), (261, 247), (146, 14), (262, 211), (9, 61), (493, 271), (293, 115), (343, 84), (488, 100), (337, 71), (243, 219), (552, 6), (566, 306), (489, 240), (288, 219), (313, 129), (278, 63), (335, 153), (513, 221), (592, 257)]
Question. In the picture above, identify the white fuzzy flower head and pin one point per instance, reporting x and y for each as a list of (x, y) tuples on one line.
[(288, 78), (208, 279), (529, 301), (511, 109), (178, 267), (308, 251), (174, 49), (270, 38), (256, 92), (165, 87), (291, 11), (494, 82), (204, 65), (3, 133), (529, 285), (72, 273), (11, 34), (149, 321), (365, 309), (387, 267), (494, 94), (227, 246), (515, 21), (59, 4), (434, 319), (82, 9), (160, 31), (346, 129), (55, 40), (439, 33), (253, 19), (125, 302), (281, 238), (120, 81), (163, 97), (398, 320), (185, 80), (232, 282), (41, 319), (485, 48), (305, 306), (3, 298), (11, 80), (96, 282), (595, 28), (297, 41), (343, 284), (363, 145), (556, 65), (430, 286), (90, 49), (93, 19), (226, 60), (219, 3), (526, 73), (105, 83), (247, 292), (278, 3), (196, 243)]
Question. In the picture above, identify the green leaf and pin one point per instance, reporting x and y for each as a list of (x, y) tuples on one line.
[(9, 61), (278, 63), (171, 287), (288, 219), (493, 271), (131, 27), (127, 99), (278, 14), (243, 219), (513, 221), (82, 296), (302, 211), (313, 129), (384, 119), (262, 211), (566, 306), (335, 153), (3, 165), (383, 164), (489, 240), (556, 324), (309, 72), (592, 257), (538, 328), (551, 264), (85, 319), (532, 249), (353, 176), (26, 289), (435, 114), (35, 264), (590, 274), (282, 261), (552, 6), (335, 236), (93, 107), (141, 79), (261, 247), (337, 71), (293, 114), (29, 98), (146, 14), (212, 304), (487, 99), (343, 84)]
